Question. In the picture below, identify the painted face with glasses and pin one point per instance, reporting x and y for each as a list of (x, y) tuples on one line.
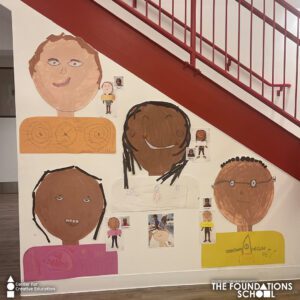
[(244, 190)]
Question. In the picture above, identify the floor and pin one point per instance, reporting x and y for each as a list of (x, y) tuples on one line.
[(9, 265)]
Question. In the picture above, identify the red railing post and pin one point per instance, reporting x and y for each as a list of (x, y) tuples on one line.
[(193, 34), (134, 3)]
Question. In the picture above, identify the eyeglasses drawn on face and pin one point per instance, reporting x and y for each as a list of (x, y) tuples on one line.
[(252, 183)]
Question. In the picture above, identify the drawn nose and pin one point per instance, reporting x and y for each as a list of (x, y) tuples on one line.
[(63, 70)]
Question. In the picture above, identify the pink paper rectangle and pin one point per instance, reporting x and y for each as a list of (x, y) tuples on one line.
[(60, 262)]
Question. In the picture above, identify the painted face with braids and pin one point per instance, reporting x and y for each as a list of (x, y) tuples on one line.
[(69, 204), (155, 136)]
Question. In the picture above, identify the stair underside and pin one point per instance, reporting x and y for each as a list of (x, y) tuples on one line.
[(147, 60)]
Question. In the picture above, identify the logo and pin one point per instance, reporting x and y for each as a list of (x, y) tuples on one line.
[(10, 286), (28, 288), (252, 289)]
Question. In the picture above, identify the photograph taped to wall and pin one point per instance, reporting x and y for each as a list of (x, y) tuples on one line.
[(67, 135), (146, 194), (207, 226), (161, 230), (119, 82), (206, 203), (114, 236), (66, 72), (125, 222)]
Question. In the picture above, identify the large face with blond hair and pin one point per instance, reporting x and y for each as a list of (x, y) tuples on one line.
[(66, 72), (244, 192)]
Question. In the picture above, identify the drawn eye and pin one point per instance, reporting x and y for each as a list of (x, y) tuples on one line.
[(75, 63), (87, 199), (53, 62), (59, 197), (253, 183), (231, 183)]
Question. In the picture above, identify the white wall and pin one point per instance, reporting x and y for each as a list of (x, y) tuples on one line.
[(232, 48), (8, 150), (181, 264)]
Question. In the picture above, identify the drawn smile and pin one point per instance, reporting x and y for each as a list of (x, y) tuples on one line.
[(157, 148), (72, 222), (63, 83)]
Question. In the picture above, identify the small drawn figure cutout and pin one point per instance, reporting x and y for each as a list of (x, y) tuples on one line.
[(108, 97), (201, 142), (207, 225), (114, 231)]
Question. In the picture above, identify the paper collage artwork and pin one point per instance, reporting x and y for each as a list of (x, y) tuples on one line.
[(244, 192), (158, 145), (68, 203), (67, 74), (155, 137)]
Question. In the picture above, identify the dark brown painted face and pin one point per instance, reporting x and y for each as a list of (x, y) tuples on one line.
[(69, 204), (244, 193), (158, 134)]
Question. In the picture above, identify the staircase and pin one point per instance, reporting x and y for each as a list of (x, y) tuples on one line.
[(154, 64)]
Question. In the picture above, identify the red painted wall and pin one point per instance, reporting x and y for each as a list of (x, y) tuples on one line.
[(155, 65)]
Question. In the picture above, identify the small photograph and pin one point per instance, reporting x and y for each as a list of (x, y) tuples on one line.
[(161, 230), (206, 203), (125, 222), (208, 235), (118, 82), (114, 236), (191, 153)]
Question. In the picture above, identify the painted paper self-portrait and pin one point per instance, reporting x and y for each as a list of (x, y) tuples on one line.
[(67, 74), (155, 137), (68, 204), (244, 192)]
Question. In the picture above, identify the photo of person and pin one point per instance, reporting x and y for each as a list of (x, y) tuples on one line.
[(118, 82), (125, 222), (161, 230), (191, 153), (206, 203)]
